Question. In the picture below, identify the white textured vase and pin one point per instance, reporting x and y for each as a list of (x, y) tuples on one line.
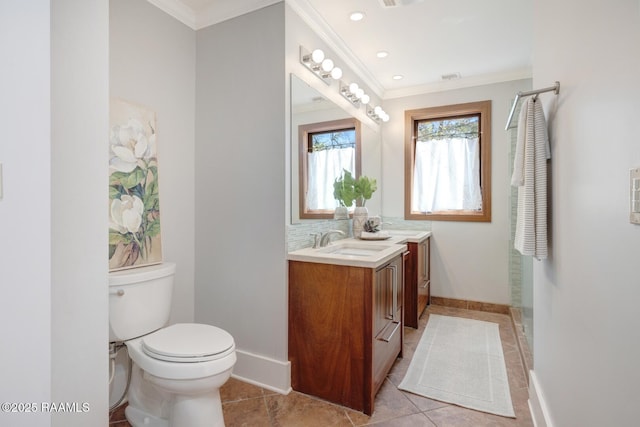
[(341, 212), (360, 216)]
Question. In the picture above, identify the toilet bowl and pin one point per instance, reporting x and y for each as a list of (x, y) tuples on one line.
[(177, 370), (187, 363)]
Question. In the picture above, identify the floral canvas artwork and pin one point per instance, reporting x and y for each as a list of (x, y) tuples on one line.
[(134, 205)]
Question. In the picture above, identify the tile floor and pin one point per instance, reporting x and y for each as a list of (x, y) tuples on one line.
[(251, 406)]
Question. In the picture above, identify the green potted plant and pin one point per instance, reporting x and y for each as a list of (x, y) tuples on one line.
[(364, 188), (344, 192)]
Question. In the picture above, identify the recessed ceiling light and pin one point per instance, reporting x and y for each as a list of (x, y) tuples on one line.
[(398, 77), (356, 16), (382, 54)]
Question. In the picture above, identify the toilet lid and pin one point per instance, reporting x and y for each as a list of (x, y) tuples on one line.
[(188, 342)]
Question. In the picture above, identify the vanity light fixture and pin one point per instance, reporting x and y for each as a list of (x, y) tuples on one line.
[(377, 114), (349, 92), (320, 65), (354, 93), (326, 70)]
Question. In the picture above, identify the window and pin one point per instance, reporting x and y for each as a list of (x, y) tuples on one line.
[(448, 163), (326, 149)]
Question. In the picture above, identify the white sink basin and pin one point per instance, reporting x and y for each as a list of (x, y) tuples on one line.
[(404, 232), (354, 249)]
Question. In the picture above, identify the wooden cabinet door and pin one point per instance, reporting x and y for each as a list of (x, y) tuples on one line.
[(424, 274), (330, 332), (387, 319), (411, 286)]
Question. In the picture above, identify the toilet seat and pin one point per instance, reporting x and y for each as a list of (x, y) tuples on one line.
[(188, 343)]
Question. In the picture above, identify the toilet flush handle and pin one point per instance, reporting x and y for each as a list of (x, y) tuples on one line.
[(119, 292)]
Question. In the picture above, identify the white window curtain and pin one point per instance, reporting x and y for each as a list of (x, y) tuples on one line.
[(324, 167), (447, 175)]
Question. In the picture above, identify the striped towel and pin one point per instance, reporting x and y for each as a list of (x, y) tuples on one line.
[(530, 176)]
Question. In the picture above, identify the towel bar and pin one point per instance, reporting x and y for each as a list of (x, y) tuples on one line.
[(555, 88)]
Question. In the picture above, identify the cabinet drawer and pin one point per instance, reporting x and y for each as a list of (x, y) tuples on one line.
[(386, 347)]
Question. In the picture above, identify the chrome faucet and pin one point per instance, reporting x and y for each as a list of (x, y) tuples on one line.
[(326, 237)]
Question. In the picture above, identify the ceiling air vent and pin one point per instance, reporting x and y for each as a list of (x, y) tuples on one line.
[(397, 3), (451, 76)]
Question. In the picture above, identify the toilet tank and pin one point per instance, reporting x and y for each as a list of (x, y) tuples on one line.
[(139, 300)]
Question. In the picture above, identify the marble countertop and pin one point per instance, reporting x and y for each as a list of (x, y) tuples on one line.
[(406, 236)]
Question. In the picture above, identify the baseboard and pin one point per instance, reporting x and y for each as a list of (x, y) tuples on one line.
[(262, 371), (523, 346), (537, 403), (471, 305)]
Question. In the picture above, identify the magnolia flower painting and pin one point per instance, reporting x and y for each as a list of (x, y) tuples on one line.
[(134, 208)]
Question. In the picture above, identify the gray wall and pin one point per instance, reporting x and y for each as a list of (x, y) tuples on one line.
[(152, 62), (240, 189), (219, 95), (587, 344)]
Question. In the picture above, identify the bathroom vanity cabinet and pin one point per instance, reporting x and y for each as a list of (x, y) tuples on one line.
[(345, 329), (417, 281)]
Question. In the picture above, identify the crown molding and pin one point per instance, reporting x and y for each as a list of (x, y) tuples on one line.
[(222, 10), (178, 10)]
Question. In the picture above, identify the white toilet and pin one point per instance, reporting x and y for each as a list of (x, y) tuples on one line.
[(177, 370)]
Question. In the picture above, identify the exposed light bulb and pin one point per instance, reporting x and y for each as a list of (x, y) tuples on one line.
[(377, 110), (336, 73), (365, 99), (317, 56), (327, 65), (359, 93), (353, 88)]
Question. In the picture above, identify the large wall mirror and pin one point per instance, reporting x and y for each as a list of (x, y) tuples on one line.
[(324, 138)]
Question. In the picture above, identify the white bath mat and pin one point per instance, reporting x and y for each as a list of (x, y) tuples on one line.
[(460, 361)]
